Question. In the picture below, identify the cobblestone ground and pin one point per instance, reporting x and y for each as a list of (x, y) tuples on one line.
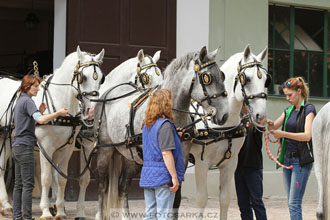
[(276, 209)]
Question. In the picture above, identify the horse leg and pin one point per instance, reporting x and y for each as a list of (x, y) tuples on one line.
[(201, 170), (6, 208), (37, 184), (46, 180), (83, 183), (104, 159), (318, 167), (226, 176), (130, 169), (321, 151), (61, 181)]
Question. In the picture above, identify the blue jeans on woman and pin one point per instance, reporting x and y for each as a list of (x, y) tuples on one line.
[(295, 182), (159, 203), (249, 190), (24, 181)]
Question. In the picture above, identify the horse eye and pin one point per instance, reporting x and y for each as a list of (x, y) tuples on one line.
[(84, 78), (248, 80)]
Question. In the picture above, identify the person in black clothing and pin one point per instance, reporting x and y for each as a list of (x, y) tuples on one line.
[(249, 175)]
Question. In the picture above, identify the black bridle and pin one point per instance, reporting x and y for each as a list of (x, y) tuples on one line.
[(78, 75), (205, 79), (241, 77), (141, 73)]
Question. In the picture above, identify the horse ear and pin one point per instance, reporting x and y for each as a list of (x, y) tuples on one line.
[(202, 53), (156, 56), (213, 54), (263, 54), (247, 52), (140, 56), (100, 56), (79, 53)]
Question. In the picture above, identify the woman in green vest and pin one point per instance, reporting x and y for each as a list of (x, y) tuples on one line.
[(296, 142)]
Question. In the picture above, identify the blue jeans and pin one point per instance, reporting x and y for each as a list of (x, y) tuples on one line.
[(249, 190), (295, 182), (159, 203), (24, 181)]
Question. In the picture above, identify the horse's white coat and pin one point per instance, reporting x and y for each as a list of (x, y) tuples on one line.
[(52, 137), (215, 152), (123, 73), (321, 142)]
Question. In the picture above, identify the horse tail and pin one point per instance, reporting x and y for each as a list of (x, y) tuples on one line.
[(112, 207)]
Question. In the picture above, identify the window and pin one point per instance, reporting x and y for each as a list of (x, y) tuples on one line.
[(299, 45)]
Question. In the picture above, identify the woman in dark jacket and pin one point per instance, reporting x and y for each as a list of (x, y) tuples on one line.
[(296, 148)]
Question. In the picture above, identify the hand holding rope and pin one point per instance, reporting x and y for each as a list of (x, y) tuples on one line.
[(267, 140)]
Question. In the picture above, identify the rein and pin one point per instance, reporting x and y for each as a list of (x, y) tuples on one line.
[(267, 140), (54, 165), (8, 128)]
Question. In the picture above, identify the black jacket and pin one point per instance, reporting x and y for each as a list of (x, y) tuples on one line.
[(250, 155), (304, 148)]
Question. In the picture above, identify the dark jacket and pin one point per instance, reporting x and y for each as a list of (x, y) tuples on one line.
[(250, 155), (304, 148)]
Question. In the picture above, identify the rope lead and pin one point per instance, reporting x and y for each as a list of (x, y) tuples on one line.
[(267, 140)]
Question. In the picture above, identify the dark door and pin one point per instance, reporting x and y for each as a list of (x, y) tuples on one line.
[(122, 28)]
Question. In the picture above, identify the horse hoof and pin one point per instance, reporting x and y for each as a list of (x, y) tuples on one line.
[(60, 217), (80, 218), (53, 210), (320, 216), (7, 213)]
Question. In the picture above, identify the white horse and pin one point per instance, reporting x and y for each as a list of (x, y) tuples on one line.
[(217, 153), (72, 85), (141, 70), (10, 86), (321, 142)]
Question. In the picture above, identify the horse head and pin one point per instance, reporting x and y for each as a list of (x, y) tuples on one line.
[(248, 81), (147, 72), (89, 77), (209, 89)]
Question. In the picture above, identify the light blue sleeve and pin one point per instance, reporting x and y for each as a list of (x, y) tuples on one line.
[(36, 116)]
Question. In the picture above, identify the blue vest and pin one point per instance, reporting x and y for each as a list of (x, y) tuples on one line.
[(154, 172)]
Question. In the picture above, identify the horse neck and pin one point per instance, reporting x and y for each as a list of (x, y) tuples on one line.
[(235, 106), (122, 73), (179, 85), (64, 96)]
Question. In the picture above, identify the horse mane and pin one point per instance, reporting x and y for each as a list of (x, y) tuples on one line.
[(179, 63), (70, 60)]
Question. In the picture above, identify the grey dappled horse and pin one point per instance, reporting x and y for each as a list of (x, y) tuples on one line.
[(184, 77)]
